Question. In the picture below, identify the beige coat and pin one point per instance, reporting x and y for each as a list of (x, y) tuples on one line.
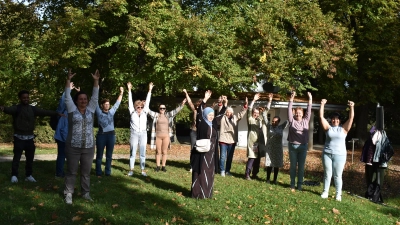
[(255, 127), (228, 132)]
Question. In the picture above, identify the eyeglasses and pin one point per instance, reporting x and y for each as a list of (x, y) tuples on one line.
[(139, 107), (162, 108)]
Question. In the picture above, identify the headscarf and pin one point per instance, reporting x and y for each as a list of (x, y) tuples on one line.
[(207, 111)]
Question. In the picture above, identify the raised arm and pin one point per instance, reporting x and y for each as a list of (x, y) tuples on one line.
[(148, 97), (118, 102), (347, 125), (207, 95), (309, 106), (256, 97), (290, 112), (189, 101), (130, 102), (93, 103), (324, 122), (69, 103), (265, 112)]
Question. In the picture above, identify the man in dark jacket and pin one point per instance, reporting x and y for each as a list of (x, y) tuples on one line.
[(24, 123)]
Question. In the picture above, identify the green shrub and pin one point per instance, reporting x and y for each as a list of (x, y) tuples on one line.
[(45, 135)]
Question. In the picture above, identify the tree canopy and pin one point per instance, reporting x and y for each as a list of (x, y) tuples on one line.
[(334, 49)]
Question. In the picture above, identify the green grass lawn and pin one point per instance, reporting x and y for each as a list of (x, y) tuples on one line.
[(164, 198)]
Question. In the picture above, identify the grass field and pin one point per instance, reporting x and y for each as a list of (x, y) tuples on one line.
[(164, 198)]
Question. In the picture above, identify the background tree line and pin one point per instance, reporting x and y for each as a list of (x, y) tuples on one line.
[(339, 50)]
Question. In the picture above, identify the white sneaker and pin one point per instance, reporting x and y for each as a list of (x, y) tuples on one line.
[(130, 173), (14, 179), (144, 174), (338, 198), (190, 170), (223, 174), (30, 179), (324, 195), (68, 198), (87, 197)]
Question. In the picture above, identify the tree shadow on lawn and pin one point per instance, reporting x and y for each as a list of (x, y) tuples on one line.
[(118, 199), (151, 166)]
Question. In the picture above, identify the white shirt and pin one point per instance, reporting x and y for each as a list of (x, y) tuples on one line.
[(139, 122)]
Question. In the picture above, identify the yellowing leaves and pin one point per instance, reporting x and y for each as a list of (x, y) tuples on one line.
[(263, 58), (76, 218), (335, 211)]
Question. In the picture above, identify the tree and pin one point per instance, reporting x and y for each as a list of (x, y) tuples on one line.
[(376, 26)]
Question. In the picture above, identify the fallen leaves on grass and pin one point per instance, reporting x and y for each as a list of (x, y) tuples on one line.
[(335, 211), (76, 218), (33, 208), (325, 220), (41, 204), (115, 206)]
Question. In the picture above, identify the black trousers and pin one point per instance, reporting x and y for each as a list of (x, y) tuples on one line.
[(19, 147)]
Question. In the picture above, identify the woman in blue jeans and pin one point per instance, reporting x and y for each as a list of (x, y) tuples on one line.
[(334, 154), (228, 138), (106, 134), (298, 140)]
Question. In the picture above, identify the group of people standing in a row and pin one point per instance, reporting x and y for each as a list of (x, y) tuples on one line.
[(76, 140), (264, 138)]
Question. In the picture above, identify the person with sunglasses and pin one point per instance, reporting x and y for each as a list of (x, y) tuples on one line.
[(161, 132), (138, 111)]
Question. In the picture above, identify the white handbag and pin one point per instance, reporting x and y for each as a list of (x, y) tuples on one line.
[(203, 145)]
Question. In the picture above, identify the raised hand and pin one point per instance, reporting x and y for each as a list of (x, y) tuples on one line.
[(246, 102), (96, 75), (207, 95), (270, 95), (70, 74), (184, 91), (78, 89), (323, 101), (350, 103), (121, 89), (151, 85), (292, 95), (309, 95), (256, 97), (71, 85), (129, 85)]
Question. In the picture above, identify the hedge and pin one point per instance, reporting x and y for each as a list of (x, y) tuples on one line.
[(45, 135)]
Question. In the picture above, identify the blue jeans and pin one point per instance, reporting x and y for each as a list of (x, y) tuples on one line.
[(335, 164), (297, 157), (138, 138), (107, 141), (226, 156), (60, 158)]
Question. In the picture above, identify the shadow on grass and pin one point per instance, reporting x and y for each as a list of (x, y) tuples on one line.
[(118, 199)]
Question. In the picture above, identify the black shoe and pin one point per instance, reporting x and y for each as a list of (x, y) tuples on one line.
[(157, 169), (163, 169)]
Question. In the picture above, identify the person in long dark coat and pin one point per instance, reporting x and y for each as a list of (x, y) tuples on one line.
[(203, 163)]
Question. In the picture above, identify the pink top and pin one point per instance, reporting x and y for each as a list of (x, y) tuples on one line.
[(298, 130)]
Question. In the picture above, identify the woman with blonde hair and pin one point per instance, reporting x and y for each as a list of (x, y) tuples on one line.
[(138, 111)]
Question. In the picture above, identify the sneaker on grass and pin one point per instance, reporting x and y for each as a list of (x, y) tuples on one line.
[(14, 179), (87, 197), (30, 179), (130, 173), (68, 198)]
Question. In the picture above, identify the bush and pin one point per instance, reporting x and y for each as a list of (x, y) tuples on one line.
[(45, 135)]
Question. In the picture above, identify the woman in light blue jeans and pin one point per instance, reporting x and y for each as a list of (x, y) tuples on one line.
[(298, 140), (334, 154), (138, 126)]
